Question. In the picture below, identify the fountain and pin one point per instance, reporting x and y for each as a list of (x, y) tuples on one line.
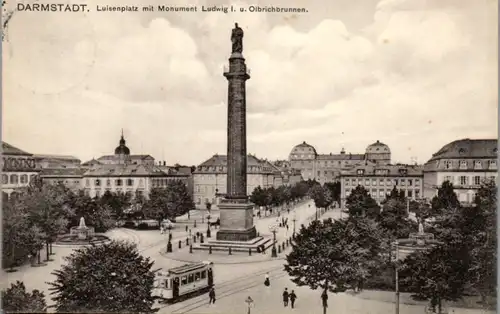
[(81, 235), (417, 241)]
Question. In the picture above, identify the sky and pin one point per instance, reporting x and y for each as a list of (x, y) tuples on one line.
[(414, 74)]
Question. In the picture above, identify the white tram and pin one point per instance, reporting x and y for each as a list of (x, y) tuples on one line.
[(182, 282)]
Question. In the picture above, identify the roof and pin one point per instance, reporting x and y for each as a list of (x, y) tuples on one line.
[(341, 157), (304, 145), (62, 172), (378, 147), (91, 162), (468, 148), (8, 149), (187, 268), (221, 160), (393, 170), (58, 157), (129, 170), (132, 157)]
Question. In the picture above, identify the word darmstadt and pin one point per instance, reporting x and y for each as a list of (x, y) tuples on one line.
[(51, 7)]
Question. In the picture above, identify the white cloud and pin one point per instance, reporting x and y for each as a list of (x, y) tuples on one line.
[(421, 75)]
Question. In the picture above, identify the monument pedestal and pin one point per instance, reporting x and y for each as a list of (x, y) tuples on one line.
[(236, 222)]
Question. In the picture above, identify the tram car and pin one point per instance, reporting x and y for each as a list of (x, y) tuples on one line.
[(183, 282)]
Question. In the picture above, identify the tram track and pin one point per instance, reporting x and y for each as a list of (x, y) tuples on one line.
[(227, 288)]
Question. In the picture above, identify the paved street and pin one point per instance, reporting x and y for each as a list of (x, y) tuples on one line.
[(234, 281)]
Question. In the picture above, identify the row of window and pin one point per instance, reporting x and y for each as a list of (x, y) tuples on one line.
[(117, 182), (467, 180), (15, 179), (161, 182), (478, 164), (374, 193), (381, 182), (129, 193)]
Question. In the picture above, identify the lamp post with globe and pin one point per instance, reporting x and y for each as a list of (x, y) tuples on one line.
[(274, 228)]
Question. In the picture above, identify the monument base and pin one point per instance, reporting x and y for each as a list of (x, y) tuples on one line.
[(236, 222)]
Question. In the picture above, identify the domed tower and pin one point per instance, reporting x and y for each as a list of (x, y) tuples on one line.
[(302, 157), (122, 152), (378, 152)]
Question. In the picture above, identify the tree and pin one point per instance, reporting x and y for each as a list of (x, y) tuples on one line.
[(112, 277), (394, 217), (446, 199), (20, 238), (16, 299), (116, 202), (331, 255), (259, 196), (360, 203), (436, 275), (169, 202), (335, 190), (95, 213)]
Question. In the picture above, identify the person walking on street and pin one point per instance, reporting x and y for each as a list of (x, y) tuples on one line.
[(211, 295), (292, 297), (266, 280), (324, 298), (285, 297)]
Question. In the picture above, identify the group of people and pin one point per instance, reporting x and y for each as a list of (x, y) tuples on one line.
[(287, 296)]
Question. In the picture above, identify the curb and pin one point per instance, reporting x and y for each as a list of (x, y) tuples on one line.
[(164, 254)]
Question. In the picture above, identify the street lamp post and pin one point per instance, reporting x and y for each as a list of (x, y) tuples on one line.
[(274, 228), (294, 220), (249, 302), (396, 270)]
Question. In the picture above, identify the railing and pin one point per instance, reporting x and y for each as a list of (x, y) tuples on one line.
[(226, 69)]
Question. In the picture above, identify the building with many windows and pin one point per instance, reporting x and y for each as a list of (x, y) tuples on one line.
[(210, 178), (465, 163), (70, 177), (379, 180), (18, 169), (327, 167)]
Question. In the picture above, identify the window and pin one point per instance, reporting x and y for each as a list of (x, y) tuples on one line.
[(197, 276), (87, 182), (395, 181), (14, 179), (118, 182), (141, 182), (410, 182), (464, 180), (5, 179), (463, 164), (381, 193), (130, 182), (449, 179), (360, 171), (448, 164), (347, 191), (98, 193), (382, 182), (347, 181), (477, 180), (190, 278), (108, 182), (493, 164), (184, 280), (198, 201), (354, 182), (417, 193), (478, 164), (97, 182), (417, 181), (403, 182), (410, 193), (204, 274), (198, 189), (374, 182), (24, 178)]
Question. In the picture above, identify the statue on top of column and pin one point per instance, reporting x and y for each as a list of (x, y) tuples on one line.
[(237, 38)]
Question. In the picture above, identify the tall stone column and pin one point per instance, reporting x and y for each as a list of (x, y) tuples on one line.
[(236, 212)]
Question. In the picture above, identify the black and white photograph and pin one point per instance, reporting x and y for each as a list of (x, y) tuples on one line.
[(267, 157)]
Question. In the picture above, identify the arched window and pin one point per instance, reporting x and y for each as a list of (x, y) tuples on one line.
[(5, 179), (24, 178), (14, 179)]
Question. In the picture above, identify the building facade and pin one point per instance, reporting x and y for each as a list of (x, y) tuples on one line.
[(18, 169), (327, 167), (379, 180), (465, 163), (70, 177), (210, 178), (56, 161)]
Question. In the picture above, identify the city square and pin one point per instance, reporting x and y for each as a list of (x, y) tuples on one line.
[(375, 230)]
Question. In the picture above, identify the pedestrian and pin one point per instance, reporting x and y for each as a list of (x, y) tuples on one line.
[(211, 295), (285, 297), (161, 230), (287, 227), (288, 210), (266, 280), (292, 297)]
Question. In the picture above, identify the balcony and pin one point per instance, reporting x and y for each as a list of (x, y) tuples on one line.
[(226, 70)]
